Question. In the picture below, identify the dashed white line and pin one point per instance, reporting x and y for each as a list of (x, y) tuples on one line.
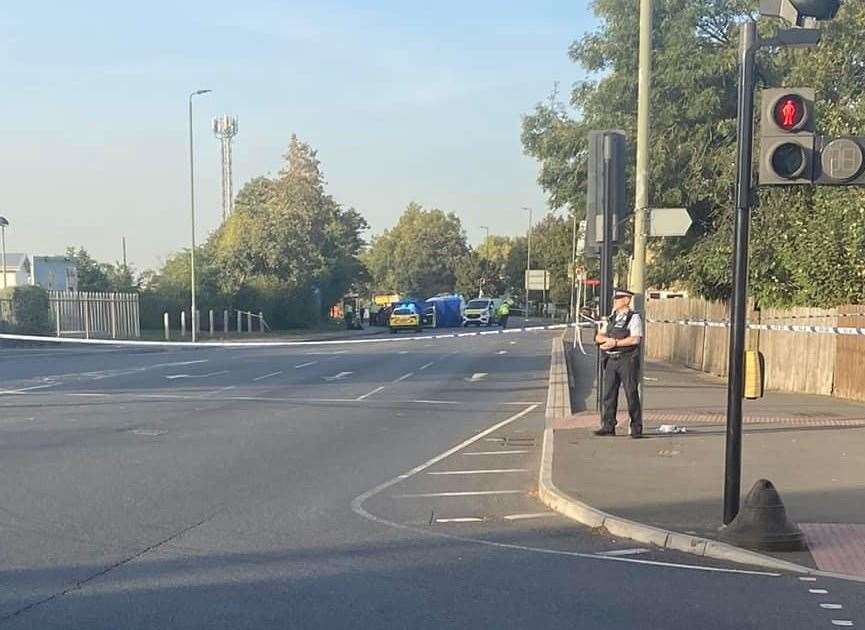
[(303, 365), (461, 519), (477, 376), (26, 389), (478, 472), (496, 453), (90, 395), (842, 622), (818, 591), (368, 394), (403, 377), (172, 377), (179, 363), (502, 352), (436, 402), (337, 377), (623, 552), (831, 606), (456, 494), (807, 579), (272, 374), (528, 515), (426, 365)]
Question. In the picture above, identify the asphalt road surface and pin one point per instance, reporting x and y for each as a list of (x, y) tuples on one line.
[(382, 485)]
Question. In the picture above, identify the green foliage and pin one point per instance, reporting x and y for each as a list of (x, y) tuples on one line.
[(96, 276), (288, 250), (30, 310), (807, 247), (420, 255)]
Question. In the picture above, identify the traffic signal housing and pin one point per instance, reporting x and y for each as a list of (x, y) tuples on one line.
[(797, 11), (841, 161), (787, 137)]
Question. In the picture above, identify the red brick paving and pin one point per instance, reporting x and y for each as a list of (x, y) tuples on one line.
[(684, 418), (837, 547)]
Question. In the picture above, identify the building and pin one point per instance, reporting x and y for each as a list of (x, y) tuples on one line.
[(17, 271), (55, 273)]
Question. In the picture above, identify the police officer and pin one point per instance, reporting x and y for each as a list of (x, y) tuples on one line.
[(504, 313), (619, 339)]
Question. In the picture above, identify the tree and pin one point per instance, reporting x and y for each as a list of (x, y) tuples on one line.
[(692, 154), (420, 255), (92, 275)]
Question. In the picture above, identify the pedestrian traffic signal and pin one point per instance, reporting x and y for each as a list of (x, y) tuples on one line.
[(797, 11), (787, 137)]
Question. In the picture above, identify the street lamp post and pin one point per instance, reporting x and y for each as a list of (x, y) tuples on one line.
[(192, 211), (528, 260), (4, 223)]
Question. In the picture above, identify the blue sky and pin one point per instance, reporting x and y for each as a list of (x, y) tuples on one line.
[(403, 100)]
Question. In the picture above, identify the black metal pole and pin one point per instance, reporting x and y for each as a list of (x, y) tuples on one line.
[(738, 302)]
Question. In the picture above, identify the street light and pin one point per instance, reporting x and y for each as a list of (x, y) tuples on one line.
[(192, 210), (528, 261), (4, 223)]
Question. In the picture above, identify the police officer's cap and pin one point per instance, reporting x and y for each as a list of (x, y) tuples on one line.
[(617, 293)]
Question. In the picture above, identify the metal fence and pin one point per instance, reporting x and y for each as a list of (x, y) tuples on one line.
[(95, 314)]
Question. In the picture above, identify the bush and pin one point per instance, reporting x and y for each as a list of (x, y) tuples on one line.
[(31, 312)]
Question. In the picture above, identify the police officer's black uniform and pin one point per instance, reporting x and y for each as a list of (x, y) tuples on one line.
[(621, 366)]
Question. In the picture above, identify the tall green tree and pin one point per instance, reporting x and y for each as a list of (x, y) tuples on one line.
[(420, 255), (692, 153)]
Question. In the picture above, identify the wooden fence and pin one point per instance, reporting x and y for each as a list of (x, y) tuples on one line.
[(827, 364), (95, 314)]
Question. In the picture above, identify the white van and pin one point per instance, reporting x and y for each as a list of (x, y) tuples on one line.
[(482, 312)]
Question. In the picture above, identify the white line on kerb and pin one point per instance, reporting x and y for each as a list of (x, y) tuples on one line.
[(456, 494), (478, 472), (624, 552), (261, 378), (461, 519), (495, 453), (528, 515), (368, 394), (403, 377), (807, 579), (303, 365), (358, 501)]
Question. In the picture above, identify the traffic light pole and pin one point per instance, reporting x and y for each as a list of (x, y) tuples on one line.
[(606, 301), (735, 381)]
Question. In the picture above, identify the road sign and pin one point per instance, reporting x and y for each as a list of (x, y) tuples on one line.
[(537, 280), (669, 221)]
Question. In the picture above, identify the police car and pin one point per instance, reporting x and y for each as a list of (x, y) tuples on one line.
[(405, 318)]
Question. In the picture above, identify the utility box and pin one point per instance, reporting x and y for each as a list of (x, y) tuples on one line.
[(754, 377)]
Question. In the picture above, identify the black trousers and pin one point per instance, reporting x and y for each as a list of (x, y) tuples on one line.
[(623, 370)]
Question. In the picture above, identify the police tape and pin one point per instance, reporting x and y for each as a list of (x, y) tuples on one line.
[(796, 328), (280, 344)]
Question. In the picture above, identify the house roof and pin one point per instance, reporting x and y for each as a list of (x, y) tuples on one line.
[(14, 261)]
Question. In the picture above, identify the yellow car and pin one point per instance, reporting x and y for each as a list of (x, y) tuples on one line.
[(405, 319)]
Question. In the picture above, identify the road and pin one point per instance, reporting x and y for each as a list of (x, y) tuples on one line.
[(354, 486)]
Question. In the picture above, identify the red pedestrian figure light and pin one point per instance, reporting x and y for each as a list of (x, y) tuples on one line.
[(789, 113)]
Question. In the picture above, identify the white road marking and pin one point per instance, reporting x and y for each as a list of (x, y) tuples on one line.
[(368, 394), (456, 494), (477, 376), (478, 472), (624, 552), (496, 453), (426, 365), (403, 352), (303, 365), (403, 377), (461, 519), (818, 591), (807, 579), (337, 377), (436, 402), (842, 622), (528, 515), (179, 363), (831, 606), (89, 395), (502, 352), (27, 389), (261, 378), (172, 377), (358, 501), (522, 402), (513, 343)]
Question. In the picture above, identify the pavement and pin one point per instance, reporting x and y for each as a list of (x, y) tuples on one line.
[(368, 485), (811, 447)]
